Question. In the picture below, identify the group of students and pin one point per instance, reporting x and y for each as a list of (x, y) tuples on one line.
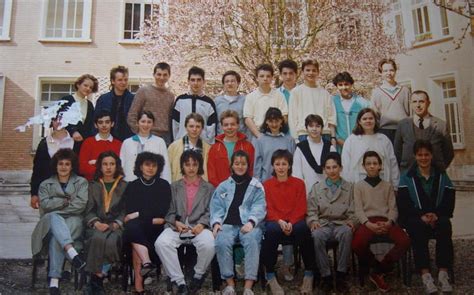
[(291, 164)]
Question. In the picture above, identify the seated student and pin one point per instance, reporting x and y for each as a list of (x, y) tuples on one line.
[(426, 199), (274, 136), (310, 153), (286, 209), (63, 199), (237, 210), (104, 219), (147, 200), (226, 144), (376, 210), (143, 141), (331, 217), (93, 146), (191, 141), (188, 221)]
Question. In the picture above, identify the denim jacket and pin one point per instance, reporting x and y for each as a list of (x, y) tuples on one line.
[(253, 206)]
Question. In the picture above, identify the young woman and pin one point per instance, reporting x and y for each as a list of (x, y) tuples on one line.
[(365, 137), (286, 209), (143, 141), (104, 219), (63, 199), (147, 200), (274, 136), (237, 209)]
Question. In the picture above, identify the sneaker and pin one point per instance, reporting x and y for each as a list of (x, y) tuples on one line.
[(428, 283), (341, 282), (285, 271), (148, 281), (443, 280), (327, 285), (195, 285), (182, 290), (54, 291), (275, 287), (379, 282), (307, 286), (229, 290), (78, 263), (147, 269), (248, 291)]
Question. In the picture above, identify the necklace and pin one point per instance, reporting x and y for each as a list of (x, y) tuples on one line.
[(147, 184)]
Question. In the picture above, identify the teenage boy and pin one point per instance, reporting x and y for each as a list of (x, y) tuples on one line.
[(118, 102), (158, 100), (288, 73), (424, 126), (308, 98), (348, 105), (261, 99), (195, 102), (93, 146), (390, 100)]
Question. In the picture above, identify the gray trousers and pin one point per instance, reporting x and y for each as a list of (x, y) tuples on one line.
[(331, 231)]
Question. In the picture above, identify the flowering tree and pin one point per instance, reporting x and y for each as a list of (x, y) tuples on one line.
[(343, 35)]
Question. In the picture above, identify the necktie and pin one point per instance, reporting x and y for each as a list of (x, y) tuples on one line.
[(421, 123)]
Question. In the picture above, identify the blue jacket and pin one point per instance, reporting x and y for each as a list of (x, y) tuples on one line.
[(253, 206)]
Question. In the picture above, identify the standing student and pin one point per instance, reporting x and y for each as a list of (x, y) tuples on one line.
[(288, 70), (195, 101), (118, 102), (390, 100)]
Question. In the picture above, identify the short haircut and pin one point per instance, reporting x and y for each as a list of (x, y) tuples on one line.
[(101, 114), (343, 77), (308, 62), (84, 77), (358, 130), (232, 73), (422, 144), (194, 116), (283, 154), (98, 165), (196, 71), (289, 64), (162, 66), (64, 154), (239, 154), (229, 114), (264, 67), (196, 156), (333, 156), (118, 69), (148, 157), (312, 118), (146, 113), (387, 61), (274, 114), (369, 154), (421, 92)]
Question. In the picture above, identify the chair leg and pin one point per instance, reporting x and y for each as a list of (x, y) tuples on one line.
[(216, 275), (34, 273)]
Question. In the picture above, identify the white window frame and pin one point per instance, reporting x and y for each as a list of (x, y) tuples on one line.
[(2, 99), (86, 24), (7, 14), (422, 10), (142, 3)]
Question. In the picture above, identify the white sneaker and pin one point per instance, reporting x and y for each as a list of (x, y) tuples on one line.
[(443, 280), (229, 290), (148, 281), (275, 287), (286, 273), (248, 291), (428, 283)]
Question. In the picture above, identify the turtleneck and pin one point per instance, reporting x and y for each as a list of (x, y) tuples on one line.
[(373, 181), (241, 184)]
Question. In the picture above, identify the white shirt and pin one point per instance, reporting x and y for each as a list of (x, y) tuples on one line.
[(109, 138), (426, 121), (56, 144), (347, 104)]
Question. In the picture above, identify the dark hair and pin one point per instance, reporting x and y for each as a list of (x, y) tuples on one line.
[(283, 154), (146, 113), (369, 154), (387, 61), (162, 66), (101, 114), (419, 92), (422, 144), (333, 156), (196, 71), (98, 165), (312, 118), (264, 67), (239, 154), (343, 77), (358, 130), (194, 116), (118, 69), (232, 73), (81, 80), (274, 114), (288, 63), (148, 157), (308, 62), (196, 156), (229, 114), (64, 154)]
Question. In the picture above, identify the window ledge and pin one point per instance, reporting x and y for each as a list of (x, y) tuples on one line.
[(432, 42), (130, 42), (64, 40), (5, 39), (459, 147)]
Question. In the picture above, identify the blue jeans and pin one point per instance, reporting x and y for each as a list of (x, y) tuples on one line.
[(60, 236), (225, 241)]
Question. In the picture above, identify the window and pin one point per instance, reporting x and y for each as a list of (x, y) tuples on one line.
[(53, 91), (451, 110), (133, 87), (2, 95), (398, 19), (444, 18), (421, 23), (349, 33), (67, 20), (136, 12), (288, 24), (5, 14)]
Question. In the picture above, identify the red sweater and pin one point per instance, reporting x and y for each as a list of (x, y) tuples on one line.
[(91, 149), (285, 200), (218, 164)]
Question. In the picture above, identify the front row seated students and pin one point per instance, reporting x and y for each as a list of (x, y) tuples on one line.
[(331, 217), (187, 221), (286, 209), (63, 199), (147, 200), (238, 208), (376, 210), (104, 219), (426, 200)]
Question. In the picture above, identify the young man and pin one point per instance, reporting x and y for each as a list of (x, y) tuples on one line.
[(347, 104), (187, 221), (158, 100), (308, 98), (261, 99), (424, 126), (288, 73), (390, 100), (93, 146), (118, 102), (195, 102)]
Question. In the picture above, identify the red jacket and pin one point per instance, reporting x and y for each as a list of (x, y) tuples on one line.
[(218, 164), (91, 149), (285, 200)]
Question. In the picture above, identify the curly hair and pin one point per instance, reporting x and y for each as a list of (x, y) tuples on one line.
[(148, 157), (98, 165), (81, 80), (64, 154), (196, 156)]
